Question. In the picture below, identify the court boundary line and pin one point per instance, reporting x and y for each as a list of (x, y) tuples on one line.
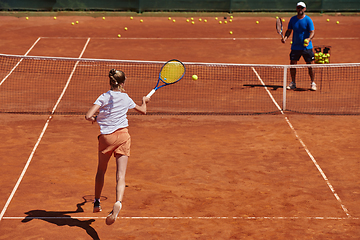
[(165, 38), (13, 69), (305, 147), (39, 139), (196, 218)]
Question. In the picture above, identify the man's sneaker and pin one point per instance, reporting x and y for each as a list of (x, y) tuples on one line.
[(292, 85), (111, 218), (313, 86), (97, 207)]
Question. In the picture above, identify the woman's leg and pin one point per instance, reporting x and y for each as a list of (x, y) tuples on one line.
[(100, 175), (121, 164)]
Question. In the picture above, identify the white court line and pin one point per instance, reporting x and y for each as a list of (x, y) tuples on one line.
[(305, 148), (185, 218), (39, 139), (174, 38), (20, 61)]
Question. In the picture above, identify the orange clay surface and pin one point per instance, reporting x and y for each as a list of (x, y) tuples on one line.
[(189, 177)]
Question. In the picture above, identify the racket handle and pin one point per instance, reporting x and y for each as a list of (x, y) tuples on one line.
[(151, 93)]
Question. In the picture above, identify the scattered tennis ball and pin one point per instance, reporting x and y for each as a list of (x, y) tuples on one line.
[(27, 18), (205, 21), (72, 23), (230, 20), (54, 18), (290, 42), (337, 22), (174, 20), (169, 18), (77, 22), (225, 22), (216, 18), (306, 40), (194, 77), (119, 35), (231, 17), (220, 22), (257, 22), (200, 19), (231, 32), (283, 20), (187, 20), (131, 18), (328, 20), (103, 18), (192, 22), (125, 28), (192, 19), (141, 20), (276, 17)]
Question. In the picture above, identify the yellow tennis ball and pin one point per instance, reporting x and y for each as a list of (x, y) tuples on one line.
[(200, 19), (276, 17), (220, 22), (119, 35), (205, 21), (337, 22), (328, 20), (230, 20), (194, 77), (131, 18), (72, 23), (125, 28), (141, 20), (169, 18), (216, 18), (77, 22), (306, 40), (192, 22), (103, 18), (54, 18), (192, 19), (225, 22), (187, 20), (231, 17), (174, 20), (231, 32), (257, 22)]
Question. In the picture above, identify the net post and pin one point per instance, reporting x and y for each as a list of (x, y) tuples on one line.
[(284, 88)]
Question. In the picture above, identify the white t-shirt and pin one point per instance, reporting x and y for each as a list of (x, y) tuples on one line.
[(113, 108)]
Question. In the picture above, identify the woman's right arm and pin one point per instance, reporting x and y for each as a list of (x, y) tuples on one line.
[(142, 108)]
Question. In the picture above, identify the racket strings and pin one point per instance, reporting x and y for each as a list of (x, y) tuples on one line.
[(172, 72), (279, 25)]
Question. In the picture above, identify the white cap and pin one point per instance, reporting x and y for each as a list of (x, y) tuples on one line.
[(302, 4)]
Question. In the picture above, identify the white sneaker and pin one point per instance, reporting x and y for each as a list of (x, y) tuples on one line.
[(292, 85), (313, 86), (111, 218)]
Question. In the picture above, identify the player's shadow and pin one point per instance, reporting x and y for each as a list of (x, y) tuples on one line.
[(61, 218)]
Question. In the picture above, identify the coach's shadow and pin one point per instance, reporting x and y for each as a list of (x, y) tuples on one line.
[(61, 218)]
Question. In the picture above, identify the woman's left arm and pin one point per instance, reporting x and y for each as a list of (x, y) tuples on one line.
[(90, 115)]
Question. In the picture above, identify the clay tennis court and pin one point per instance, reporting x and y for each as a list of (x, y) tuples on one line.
[(271, 176)]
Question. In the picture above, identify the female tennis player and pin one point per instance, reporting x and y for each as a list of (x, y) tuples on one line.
[(114, 138)]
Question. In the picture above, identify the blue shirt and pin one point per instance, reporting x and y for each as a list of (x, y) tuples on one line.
[(301, 30)]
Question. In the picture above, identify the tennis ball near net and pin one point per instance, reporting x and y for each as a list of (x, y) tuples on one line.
[(194, 77)]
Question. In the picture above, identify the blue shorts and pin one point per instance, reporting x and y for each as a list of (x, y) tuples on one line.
[(307, 54)]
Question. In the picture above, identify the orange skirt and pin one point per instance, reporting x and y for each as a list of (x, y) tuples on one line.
[(117, 142)]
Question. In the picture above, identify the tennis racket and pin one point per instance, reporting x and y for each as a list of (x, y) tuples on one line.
[(171, 72), (279, 27)]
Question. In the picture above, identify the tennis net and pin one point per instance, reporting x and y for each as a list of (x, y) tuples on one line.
[(45, 85)]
